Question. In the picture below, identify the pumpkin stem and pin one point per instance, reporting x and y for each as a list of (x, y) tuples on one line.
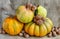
[(37, 5)]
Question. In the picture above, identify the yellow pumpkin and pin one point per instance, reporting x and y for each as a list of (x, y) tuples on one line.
[(24, 15), (12, 26), (39, 30)]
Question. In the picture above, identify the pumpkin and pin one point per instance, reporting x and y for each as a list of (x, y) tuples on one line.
[(41, 11), (39, 30), (12, 26), (24, 15)]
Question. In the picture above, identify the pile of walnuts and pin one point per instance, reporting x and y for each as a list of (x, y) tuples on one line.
[(38, 19), (55, 31), (31, 7)]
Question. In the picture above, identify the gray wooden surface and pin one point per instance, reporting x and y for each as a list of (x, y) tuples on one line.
[(3, 36), (9, 6)]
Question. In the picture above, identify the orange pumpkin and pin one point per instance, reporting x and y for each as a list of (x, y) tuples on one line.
[(39, 30), (12, 26)]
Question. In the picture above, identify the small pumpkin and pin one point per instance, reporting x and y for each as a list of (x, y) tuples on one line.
[(24, 14), (41, 11), (39, 30), (12, 26)]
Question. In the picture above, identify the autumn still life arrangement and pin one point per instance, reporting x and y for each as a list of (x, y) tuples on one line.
[(29, 20)]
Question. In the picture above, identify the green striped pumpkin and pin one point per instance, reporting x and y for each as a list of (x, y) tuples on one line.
[(41, 11)]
